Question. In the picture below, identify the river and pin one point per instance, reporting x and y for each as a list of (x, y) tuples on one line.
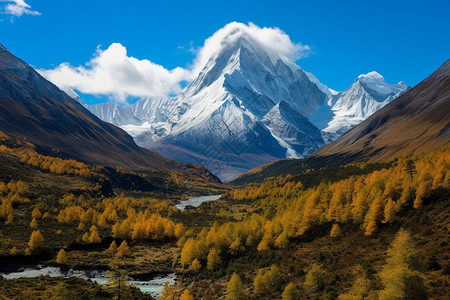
[(152, 286), (196, 201)]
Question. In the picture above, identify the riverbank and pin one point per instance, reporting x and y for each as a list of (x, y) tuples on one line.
[(150, 283)]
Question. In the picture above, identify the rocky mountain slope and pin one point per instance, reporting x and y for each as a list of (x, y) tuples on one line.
[(416, 122), (248, 106), (33, 108), (365, 96)]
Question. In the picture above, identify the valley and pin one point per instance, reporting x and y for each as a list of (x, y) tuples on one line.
[(286, 225), (240, 176)]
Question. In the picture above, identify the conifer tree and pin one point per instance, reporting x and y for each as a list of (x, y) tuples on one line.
[(400, 276), (34, 224), (94, 238), (123, 250), (214, 260), (186, 295), (290, 292), (235, 290), (335, 230), (36, 213), (61, 258), (389, 211), (36, 240), (14, 250), (195, 266), (85, 238), (167, 293), (315, 278), (112, 250), (363, 287)]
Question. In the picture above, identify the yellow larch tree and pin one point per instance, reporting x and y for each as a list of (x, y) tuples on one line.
[(36, 240), (61, 258)]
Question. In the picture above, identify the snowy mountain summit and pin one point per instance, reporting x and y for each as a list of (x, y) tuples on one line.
[(248, 106), (344, 110)]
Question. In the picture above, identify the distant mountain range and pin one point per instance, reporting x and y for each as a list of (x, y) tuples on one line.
[(365, 96), (417, 121), (33, 108), (247, 107)]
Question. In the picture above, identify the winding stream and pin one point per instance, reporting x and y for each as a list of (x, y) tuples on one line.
[(196, 201), (153, 286)]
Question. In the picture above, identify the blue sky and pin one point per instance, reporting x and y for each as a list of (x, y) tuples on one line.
[(402, 40)]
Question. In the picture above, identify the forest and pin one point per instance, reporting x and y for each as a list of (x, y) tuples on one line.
[(369, 231)]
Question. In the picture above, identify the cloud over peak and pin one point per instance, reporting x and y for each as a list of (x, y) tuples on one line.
[(113, 73), (271, 38)]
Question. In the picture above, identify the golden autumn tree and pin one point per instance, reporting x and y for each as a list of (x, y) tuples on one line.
[(400, 276), (363, 287), (267, 281), (94, 238), (112, 250), (10, 219), (315, 278), (3, 188), (235, 289), (168, 292), (102, 223), (81, 226), (195, 266), (214, 260), (179, 230), (423, 191), (389, 211), (123, 250), (14, 250), (186, 295), (290, 292), (188, 252), (36, 240), (335, 230), (34, 224), (374, 214), (85, 238), (282, 241), (36, 213), (259, 283), (61, 258)]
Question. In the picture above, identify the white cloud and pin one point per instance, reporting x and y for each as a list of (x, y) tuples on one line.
[(112, 72), (272, 39), (18, 8)]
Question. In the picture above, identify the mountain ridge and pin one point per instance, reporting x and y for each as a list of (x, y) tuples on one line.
[(33, 108), (227, 105), (233, 106), (417, 121)]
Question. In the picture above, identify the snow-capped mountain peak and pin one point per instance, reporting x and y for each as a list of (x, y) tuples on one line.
[(374, 81), (248, 106), (371, 76), (368, 93), (227, 107)]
